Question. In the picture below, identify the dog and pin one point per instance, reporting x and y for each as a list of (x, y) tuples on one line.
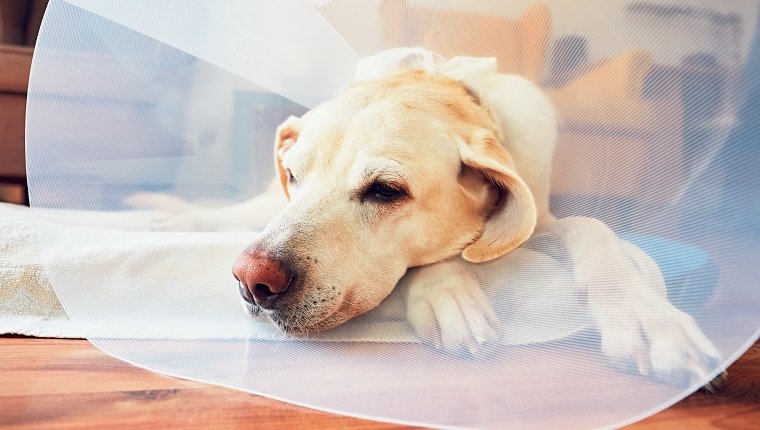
[(398, 182)]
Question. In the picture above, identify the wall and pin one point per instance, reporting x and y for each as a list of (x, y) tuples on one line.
[(607, 25)]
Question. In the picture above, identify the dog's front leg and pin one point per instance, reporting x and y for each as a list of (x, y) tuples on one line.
[(639, 327), (447, 308)]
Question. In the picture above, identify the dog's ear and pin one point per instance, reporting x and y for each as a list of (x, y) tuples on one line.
[(514, 218), (285, 137)]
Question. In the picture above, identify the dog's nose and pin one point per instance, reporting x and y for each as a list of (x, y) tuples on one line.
[(262, 277)]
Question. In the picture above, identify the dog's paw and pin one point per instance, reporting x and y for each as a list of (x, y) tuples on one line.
[(679, 352), (668, 346), (640, 329), (447, 308)]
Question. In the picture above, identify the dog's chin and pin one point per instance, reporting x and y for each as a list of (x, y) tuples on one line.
[(292, 325), (302, 329)]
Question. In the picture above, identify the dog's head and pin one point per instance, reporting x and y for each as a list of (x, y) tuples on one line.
[(391, 174)]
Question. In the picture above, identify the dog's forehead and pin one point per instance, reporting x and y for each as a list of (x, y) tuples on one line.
[(346, 130)]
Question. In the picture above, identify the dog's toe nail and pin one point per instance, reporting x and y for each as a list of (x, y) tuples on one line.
[(642, 362)]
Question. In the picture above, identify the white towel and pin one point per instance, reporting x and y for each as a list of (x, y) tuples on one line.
[(125, 284)]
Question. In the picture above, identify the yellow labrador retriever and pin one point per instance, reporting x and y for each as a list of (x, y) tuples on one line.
[(399, 181)]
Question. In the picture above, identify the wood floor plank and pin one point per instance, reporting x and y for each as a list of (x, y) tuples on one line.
[(65, 366), (200, 407), (64, 384), (60, 384)]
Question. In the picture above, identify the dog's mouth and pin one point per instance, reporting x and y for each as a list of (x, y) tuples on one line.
[(294, 318), (288, 324), (251, 309)]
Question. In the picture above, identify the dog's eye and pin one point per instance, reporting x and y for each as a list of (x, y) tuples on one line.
[(291, 179), (383, 193)]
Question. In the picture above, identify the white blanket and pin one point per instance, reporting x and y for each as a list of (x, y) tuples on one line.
[(61, 280)]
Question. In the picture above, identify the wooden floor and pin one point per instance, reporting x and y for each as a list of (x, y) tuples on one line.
[(59, 384)]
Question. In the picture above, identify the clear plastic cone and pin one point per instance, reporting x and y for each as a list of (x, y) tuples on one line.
[(181, 101)]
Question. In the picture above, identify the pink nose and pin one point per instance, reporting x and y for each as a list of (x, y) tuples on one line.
[(262, 277)]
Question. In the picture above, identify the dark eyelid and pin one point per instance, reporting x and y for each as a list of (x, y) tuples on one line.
[(397, 191), (389, 177), (291, 177)]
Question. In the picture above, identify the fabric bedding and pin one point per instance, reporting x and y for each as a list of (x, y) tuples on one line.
[(59, 279)]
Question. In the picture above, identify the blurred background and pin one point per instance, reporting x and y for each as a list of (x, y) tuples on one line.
[(654, 99), (19, 24), (647, 93)]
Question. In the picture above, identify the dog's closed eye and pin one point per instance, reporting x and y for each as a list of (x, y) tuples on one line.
[(291, 178), (383, 192)]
